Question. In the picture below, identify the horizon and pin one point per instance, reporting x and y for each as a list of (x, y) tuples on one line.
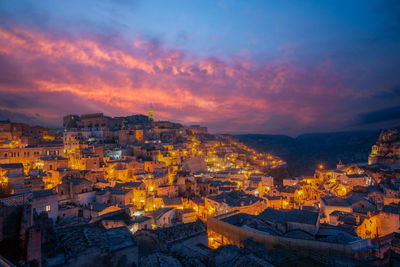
[(284, 68), (60, 127)]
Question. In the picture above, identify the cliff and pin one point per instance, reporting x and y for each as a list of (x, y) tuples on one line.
[(386, 151)]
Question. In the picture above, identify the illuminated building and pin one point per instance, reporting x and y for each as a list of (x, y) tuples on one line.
[(235, 200), (151, 112)]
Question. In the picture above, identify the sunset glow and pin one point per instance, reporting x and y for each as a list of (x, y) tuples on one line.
[(48, 71)]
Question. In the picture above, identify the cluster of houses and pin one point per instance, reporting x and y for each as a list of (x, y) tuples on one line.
[(103, 174), (69, 196)]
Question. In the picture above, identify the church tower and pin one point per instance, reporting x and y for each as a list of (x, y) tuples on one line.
[(151, 112)]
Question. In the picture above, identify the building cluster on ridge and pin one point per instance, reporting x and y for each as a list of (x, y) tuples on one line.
[(133, 190)]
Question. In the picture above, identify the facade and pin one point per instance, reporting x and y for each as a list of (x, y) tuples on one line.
[(45, 201)]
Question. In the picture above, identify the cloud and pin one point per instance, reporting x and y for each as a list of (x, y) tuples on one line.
[(53, 75), (392, 94), (378, 116)]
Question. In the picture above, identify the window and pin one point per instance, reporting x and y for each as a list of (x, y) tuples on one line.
[(47, 208)]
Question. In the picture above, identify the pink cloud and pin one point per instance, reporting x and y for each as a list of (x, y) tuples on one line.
[(227, 95)]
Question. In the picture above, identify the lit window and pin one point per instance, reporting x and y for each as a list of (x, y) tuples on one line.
[(47, 207)]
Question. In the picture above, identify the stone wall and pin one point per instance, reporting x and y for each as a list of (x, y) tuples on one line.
[(386, 151), (235, 235)]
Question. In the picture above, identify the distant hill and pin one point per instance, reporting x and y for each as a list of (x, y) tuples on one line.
[(305, 152)]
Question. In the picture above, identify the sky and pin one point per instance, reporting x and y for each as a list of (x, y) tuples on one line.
[(277, 67)]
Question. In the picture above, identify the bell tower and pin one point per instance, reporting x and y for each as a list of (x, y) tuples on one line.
[(151, 112)]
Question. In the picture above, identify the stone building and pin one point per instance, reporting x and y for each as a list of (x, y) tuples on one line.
[(386, 151), (45, 201), (85, 245), (235, 200)]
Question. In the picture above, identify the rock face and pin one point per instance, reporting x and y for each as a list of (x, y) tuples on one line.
[(386, 151)]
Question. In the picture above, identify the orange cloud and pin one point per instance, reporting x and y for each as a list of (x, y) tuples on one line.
[(183, 88)]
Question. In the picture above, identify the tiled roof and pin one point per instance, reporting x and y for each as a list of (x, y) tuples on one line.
[(293, 215), (235, 198), (120, 192), (75, 181), (43, 193), (99, 206), (172, 201), (11, 166), (77, 239), (158, 213), (238, 219), (335, 201), (392, 208), (129, 184)]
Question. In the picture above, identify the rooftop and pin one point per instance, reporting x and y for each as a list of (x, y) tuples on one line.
[(180, 231), (238, 219), (235, 198), (140, 219), (128, 184), (77, 239), (43, 193), (99, 206), (392, 208), (158, 213), (11, 166), (75, 181), (120, 192), (335, 201), (168, 201), (293, 215)]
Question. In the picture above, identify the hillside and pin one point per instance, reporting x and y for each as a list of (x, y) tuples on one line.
[(305, 152)]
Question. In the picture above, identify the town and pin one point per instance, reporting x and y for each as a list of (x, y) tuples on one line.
[(135, 191)]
